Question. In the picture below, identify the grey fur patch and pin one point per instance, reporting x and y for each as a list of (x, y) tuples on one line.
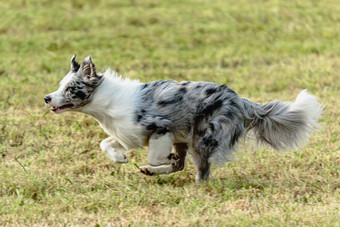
[(214, 118), (202, 110), (83, 82), (276, 125)]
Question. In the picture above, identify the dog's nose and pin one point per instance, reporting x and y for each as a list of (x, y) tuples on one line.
[(47, 99)]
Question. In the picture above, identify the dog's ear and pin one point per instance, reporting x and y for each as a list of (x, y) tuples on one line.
[(88, 72), (74, 64), (87, 67)]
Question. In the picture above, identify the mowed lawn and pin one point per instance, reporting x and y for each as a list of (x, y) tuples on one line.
[(52, 171)]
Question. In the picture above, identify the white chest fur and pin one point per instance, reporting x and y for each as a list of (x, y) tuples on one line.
[(127, 134), (113, 105)]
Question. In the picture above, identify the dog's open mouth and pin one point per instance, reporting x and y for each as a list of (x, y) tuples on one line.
[(59, 108)]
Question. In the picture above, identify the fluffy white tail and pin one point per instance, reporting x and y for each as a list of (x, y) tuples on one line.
[(285, 125)]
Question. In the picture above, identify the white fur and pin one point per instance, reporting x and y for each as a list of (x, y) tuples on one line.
[(160, 149), (113, 105), (57, 96), (112, 150), (310, 107)]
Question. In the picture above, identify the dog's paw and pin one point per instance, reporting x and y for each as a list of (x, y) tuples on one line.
[(121, 160), (117, 157), (145, 170)]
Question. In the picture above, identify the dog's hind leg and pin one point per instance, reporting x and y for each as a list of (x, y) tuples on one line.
[(111, 148), (205, 143), (202, 167), (160, 158)]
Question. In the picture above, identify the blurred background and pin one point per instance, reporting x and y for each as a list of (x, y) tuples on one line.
[(241, 44)]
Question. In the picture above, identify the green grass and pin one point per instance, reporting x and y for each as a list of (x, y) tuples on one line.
[(51, 168)]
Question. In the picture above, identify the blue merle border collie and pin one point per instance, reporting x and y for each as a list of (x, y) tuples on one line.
[(205, 119)]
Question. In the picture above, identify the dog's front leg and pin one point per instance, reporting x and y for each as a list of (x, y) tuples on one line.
[(159, 158), (110, 147)]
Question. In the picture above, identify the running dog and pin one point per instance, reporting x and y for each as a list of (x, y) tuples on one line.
[(204, 119)]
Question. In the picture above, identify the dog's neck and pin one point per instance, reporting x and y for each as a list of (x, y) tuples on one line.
[(114, 98), (113, 105)]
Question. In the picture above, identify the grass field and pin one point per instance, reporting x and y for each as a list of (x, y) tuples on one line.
[(52, 171)]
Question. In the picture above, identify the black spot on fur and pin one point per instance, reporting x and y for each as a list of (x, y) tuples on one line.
[(171, 101), (69, 89), (159, 83), (229, 115), (185, 83), (183, 90), (204, 169), (139, 117), (91, 85), (152, 126), (211, 91), (222, 87), (198, 86), (210, 142), (163, 131), (144, 86), (200, 132), (232, 103), (212, 127), (231, 91), (81, 95), (237, 132), (210, 108)]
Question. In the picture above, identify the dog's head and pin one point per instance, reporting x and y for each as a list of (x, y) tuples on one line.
[(77, 87)]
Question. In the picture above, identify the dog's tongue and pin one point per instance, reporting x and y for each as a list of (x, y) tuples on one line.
[(56, 108)]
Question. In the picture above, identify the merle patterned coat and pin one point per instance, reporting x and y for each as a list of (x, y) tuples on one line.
[(204, 119)]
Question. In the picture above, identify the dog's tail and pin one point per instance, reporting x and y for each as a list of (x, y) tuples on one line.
[(283, 125)]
